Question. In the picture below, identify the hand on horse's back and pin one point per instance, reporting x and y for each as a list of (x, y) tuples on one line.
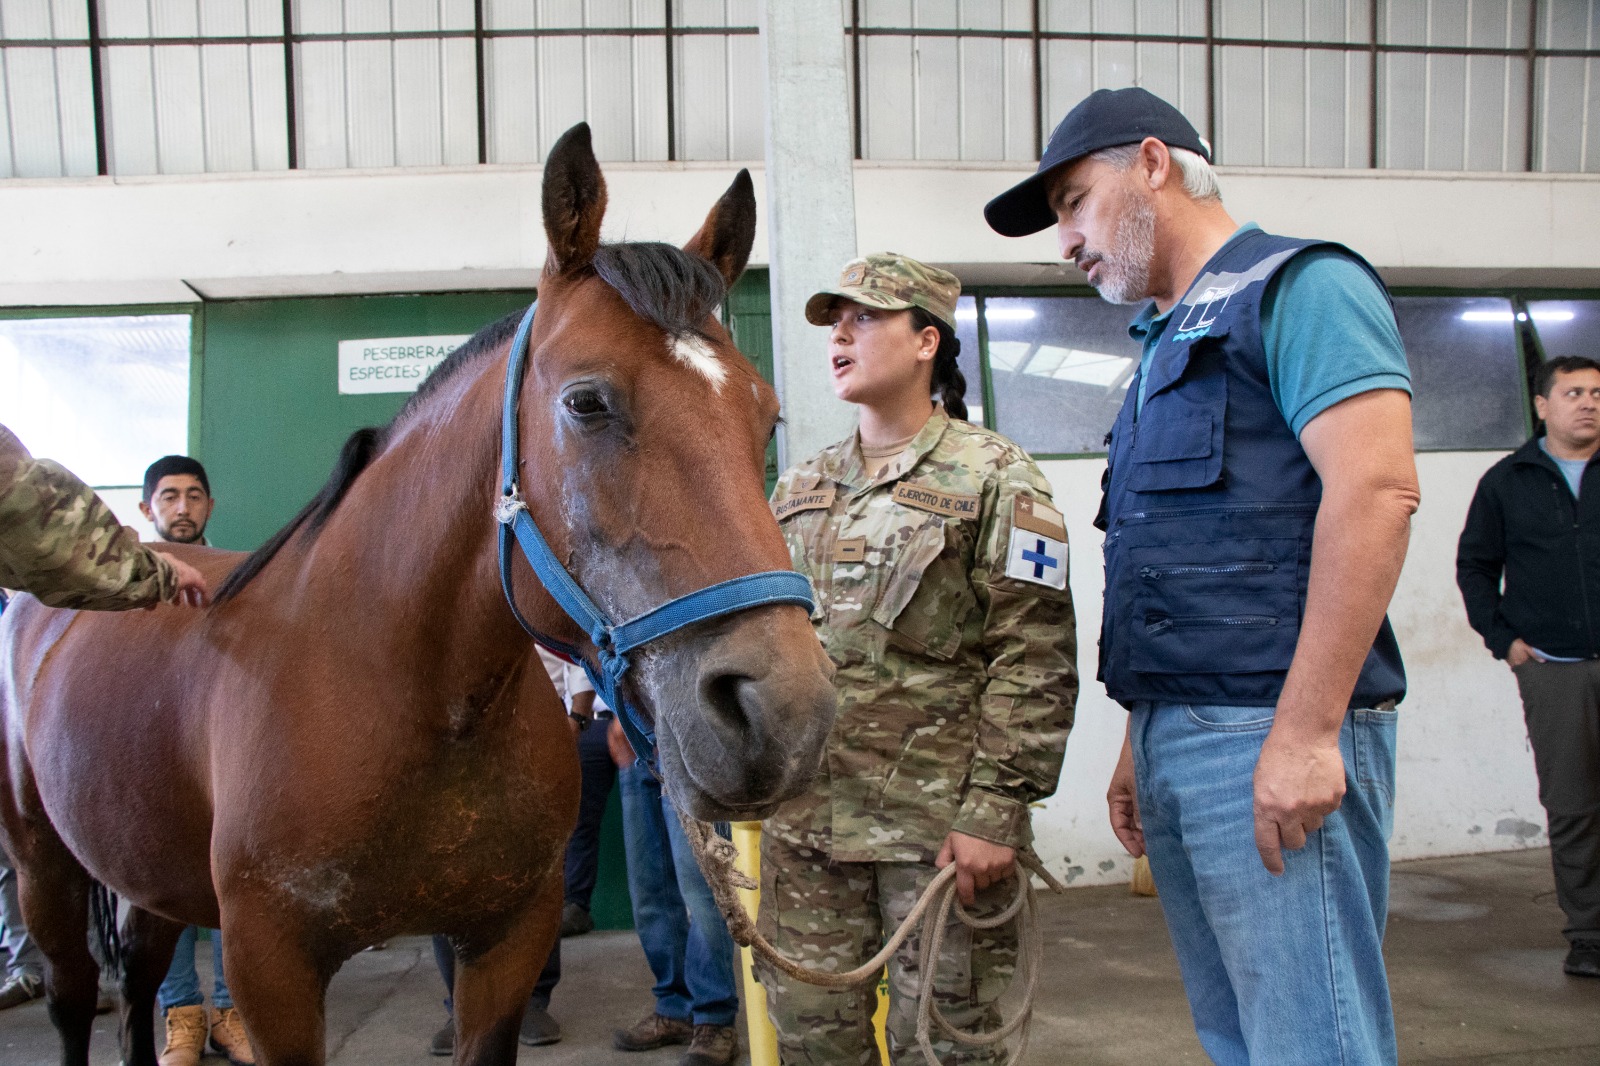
[(192, 590)]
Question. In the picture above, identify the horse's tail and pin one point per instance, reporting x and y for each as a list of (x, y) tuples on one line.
[(103, 914)]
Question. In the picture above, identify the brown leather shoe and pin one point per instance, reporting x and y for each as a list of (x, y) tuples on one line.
[(186, 1036), (713, 1045), (229, 1038), (652, 1031)]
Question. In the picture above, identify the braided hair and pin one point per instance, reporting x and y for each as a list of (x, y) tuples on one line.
[(949, 383)]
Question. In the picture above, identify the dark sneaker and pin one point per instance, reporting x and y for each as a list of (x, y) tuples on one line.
[(444, 1041), (652, 1031), (20, 989), (713, 1045), (575, 921), (538, 1028), (1584, 959)]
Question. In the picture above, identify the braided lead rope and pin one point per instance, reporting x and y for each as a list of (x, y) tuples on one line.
[(717, 855)]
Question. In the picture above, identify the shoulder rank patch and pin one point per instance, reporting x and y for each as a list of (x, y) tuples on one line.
[(1036, 516), (810, 500), (924, 498), (1037, 558)]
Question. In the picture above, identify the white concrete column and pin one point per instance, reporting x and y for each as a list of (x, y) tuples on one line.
[(811, 222)]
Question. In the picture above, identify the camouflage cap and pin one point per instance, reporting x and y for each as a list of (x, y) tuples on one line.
[(893, 282)]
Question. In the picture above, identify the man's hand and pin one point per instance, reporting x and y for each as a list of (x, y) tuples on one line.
[(192, 590), (1297, 785), (617, 744), (1520, 652), (1123, 801), (979, 863)]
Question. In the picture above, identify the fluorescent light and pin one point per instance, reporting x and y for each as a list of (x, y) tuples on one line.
[(1546, 314), (997, 314)]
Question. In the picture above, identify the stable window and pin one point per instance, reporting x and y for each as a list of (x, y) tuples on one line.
[(1466, 371), (103, 396)]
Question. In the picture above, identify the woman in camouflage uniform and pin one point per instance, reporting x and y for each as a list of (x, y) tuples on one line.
[(939, 568)]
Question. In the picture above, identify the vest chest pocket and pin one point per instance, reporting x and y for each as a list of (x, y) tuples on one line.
[(1177, 441), (1183, 452), (925, 598)]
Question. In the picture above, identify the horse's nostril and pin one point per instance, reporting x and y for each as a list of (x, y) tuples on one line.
[(723, 697)]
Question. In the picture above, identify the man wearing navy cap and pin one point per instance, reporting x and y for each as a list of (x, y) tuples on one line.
[(1256, 512)]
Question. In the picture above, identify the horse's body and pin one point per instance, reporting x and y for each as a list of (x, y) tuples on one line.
[(357, 741)]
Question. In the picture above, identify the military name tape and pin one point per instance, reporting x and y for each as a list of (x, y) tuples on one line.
[(813, 500), (949, 504)]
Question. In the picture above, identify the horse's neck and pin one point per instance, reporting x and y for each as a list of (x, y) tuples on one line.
[(412, 548)]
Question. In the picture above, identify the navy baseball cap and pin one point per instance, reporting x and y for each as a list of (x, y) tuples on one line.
[(1105, 118)]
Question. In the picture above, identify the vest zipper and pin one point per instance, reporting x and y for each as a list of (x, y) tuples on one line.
[(1154, 573), (1210, 621), (1250, 509)]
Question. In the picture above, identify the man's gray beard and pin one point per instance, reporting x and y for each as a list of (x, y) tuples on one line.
[(1125, 266)]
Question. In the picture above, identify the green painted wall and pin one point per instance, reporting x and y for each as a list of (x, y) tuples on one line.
[(271, 416)]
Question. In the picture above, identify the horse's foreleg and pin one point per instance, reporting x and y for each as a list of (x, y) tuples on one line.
[(54, 891), (147, 942), (278, 984), (493, 985)]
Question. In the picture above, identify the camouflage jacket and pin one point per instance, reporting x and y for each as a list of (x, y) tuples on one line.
[(956, 665), (59, 541)]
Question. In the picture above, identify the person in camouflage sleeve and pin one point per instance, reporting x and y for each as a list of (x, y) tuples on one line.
[(60, 542), (938, 565)]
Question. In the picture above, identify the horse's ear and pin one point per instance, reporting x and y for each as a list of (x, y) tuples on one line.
[(729, 230), (574, 201)]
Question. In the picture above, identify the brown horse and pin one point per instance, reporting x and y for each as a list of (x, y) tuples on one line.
[(357, 741)]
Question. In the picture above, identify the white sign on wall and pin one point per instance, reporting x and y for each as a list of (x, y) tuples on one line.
[(391, 364)]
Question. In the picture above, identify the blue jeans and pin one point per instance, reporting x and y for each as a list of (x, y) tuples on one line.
[(583, 850), (683, 934), (1282, 970), (22, 955), (182, 985)]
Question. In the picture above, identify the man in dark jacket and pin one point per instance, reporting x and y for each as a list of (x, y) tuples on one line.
[(1536, 519)]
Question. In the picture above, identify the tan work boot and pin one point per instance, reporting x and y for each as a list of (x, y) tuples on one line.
[(652, 1031), (713, 1045), (186, 1036), (229, 1038)]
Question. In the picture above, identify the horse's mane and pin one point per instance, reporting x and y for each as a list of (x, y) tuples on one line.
[(660, 283)]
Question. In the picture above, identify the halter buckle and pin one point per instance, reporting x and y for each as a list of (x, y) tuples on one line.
[(507, 506)]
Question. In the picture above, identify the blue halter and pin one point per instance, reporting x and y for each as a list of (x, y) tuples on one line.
[(612, 642)]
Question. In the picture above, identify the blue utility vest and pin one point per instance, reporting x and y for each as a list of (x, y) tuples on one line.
[(1209, 508)]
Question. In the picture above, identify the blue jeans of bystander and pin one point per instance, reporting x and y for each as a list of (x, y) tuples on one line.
[(683, 934), (1282, 970), (182, 985), (22, 955)]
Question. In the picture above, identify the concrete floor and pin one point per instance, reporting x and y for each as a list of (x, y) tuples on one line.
[(1474, 953)]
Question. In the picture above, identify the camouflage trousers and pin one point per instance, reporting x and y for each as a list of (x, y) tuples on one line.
[(835, 916)]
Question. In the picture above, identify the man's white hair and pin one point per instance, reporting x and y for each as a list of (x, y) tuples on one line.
[(1199, 180)]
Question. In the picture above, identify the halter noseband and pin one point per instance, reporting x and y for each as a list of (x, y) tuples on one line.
[(612, 642)]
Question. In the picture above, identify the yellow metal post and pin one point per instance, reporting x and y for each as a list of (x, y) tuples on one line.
[(763, 1040)]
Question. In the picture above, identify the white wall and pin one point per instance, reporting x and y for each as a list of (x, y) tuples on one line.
[(1466, 781), (172, 239)]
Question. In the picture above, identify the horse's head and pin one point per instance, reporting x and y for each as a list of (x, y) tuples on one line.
[(654, 427)]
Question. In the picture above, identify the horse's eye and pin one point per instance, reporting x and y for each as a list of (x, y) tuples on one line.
[(584, 403)]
